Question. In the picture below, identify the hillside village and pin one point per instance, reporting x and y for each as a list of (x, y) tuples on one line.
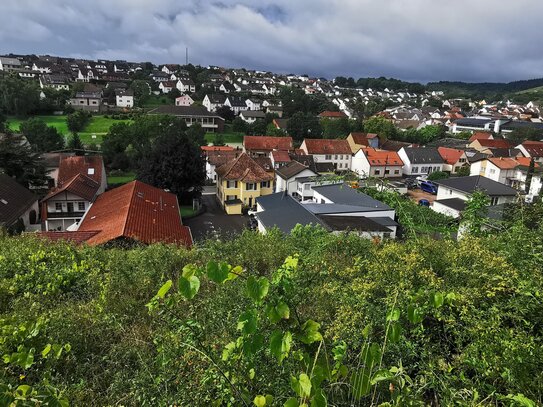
[(267, 163)]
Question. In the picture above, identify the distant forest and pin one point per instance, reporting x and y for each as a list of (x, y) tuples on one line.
[(520, 91)]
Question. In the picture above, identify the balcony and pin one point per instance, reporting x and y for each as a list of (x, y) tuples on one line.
[(65, 215)]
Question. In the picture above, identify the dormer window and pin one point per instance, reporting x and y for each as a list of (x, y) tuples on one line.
[(90, 171)]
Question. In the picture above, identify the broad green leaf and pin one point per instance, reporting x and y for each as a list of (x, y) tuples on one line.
[(302, 385), (188, 287), (381, 375), (269, 399), (437, 299), (394, 332), (257, 289), (280, 344), (23, 390), (319, 399), (283, 310), (235, 273), (67, 347), (360, 384), (228, 350), (46, 350), (247, 322), (393, 315), (414, 314), (310, 332), (164, 289), (189, 270), (252, 344), (272, 314), (259, 401), (291, 402), (58, 350), (251, 374), (450, 297), (218, 272)]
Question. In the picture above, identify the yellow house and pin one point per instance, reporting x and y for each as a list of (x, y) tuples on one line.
[(240, 182)]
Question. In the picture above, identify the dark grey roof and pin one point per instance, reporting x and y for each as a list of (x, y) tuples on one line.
[(448, 142), (14, 200), (290, 170), (324, 167), (477, 182), (184, 111), (518, 124), (359, 223), (237, 101), (257, 114), (284, 212), (343, 194), (385, 221), (472, 122), (506, 152), (423, 155), (454, 203), (393, 145)]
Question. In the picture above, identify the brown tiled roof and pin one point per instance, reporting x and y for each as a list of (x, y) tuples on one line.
[(508, 163), (71, 166), (496, 143), (76, 237), (136, 211), (280, 156), (79, 185), (534, 148), (382, 157), (290, 170), (327, 146), (14, 200), (243, 168), (218, 158), (267, 143), (480, 135), (216, 148), (362, 138), (332, 114)]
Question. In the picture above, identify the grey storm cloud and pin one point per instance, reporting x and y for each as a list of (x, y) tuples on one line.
[(422, 40)]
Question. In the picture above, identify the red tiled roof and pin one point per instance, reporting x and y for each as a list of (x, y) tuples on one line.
[(267, 143), (480, 135), (136, 211), (496, 143), (218, 158), (71, 166), (217, 148), (328, 113), (450, 155), (243, 168), (76, 237), (382, 157), (280, 156), (327, 146), (80, 185), (508, 163), (534, 148)]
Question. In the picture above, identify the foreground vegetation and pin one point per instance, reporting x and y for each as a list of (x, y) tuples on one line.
[(308, 319)]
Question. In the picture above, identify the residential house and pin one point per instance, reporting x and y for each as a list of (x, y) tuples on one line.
[(532, 149), (213, 101), (227, 87), (158, 76), (136, 212), (186, 85), (236, 103), (360, 140), (124, 98), (42, 66), (273, 109), (453, 159), (240, 182), (487, 145), (10, 64), (55, 81), (170, 68), (481, 135), (296, 179), (420, 160), (252, 104), (279, 158), (453, 193), (332, 115), (88, 101), (86, 75), (262, 146), (19, 208), (336, 152), (211, 122), (216, 158), (167, 86), (509, 171), (89, 165), (184, 100), (251, 116), (370, 162)]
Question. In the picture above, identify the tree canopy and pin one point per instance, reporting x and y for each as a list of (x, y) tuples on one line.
[(41, 137)]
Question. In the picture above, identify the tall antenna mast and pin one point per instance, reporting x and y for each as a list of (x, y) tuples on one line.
[(187, 55)]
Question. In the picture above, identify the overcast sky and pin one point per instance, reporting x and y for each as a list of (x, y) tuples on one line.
[(420, 40)]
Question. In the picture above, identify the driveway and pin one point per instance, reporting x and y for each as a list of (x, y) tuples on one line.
[(416, 194), (214, 222)]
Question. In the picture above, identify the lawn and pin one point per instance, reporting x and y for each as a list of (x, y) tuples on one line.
[(97, 127), (186, 211), (121, 178), (229, 138), (157, 100)]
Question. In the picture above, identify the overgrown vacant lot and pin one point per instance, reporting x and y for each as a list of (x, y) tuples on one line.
[(346, 320)]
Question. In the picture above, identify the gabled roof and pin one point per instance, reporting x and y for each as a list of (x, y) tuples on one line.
[(264, 143), (290, 170), (327, 146), (89, 165), (450, 155), (185, 111), (534, 148), (342, 194), (136, 211), (495, 143), (14, 200), (477, 182), (480, 135), (254, 114), (217, 148), (393, 145), (218, 158), (76, 237), (243, 168), (423, 155), (382, 157), (509, 163), (80, 185), (329, 114)]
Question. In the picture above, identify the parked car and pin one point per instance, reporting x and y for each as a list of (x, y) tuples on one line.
[(424, 202), (428, 186)]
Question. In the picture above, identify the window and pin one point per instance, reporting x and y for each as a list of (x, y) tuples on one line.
[(265, 184), (340, 165), (335, 157), (415, 169), (396, 171), (494, 200), (231, 184), (250, 186), (58, 207), (90, 171), (492, 171), (307, 186), (377, 172), (327, 157), (231, 197), (387, 172), (81, 206), (70, 206), (423, 169)]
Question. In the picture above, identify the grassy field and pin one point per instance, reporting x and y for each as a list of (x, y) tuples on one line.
[(157, 100), (121, 178), (229, 138), (186, 211), (97, 127)]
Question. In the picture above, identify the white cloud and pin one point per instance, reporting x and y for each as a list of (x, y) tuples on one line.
[(415, 39)]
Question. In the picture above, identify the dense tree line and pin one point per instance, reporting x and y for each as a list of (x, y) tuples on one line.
[(381, 83), (277, 320)]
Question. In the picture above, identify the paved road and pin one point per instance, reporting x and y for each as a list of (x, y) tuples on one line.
[(214, 221)]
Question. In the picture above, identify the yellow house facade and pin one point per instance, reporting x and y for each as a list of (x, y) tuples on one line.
[(240, 182)]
